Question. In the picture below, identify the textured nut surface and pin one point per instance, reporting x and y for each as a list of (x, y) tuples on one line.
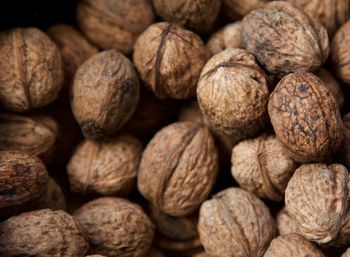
[(305, 117), (116, 227), (42, 233), (105, 93), (178, 168), (343, 238), (31, 73), (285, 223), (169, 59), (235, 223), (239, 8)]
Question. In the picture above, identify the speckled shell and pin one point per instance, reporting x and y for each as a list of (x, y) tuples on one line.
[(116, 227), (114, 23), (105, 93), (42, 233), (235, 223), (169, 59), (316, 198), (178, 168), (347, 253), (305, 117), (31, 72), (285, 223), (285, 39), (239, 8)]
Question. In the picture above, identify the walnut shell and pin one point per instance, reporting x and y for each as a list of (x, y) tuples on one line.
[(192, 113), (304, 45), (179, 248), (105, 93), (53, 198), (305, 117), (178, 168), (285, 223), (169, 59), (113, 23), (347, 253), (316, 198), (42, 233), (235, 223), (236, 9), (343, 238), (31, 72), (116, 227)]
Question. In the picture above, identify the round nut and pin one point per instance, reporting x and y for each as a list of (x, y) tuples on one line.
[(237, 9), (285, 223)]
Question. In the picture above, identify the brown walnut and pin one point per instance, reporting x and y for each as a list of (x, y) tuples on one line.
[(343, 238), (345, 151), (285, 223), (53, 198), (237, 9)]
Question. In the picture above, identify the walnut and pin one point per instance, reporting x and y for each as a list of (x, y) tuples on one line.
[(316, 198), (105, 93), (305, 117), (178, 168), (285, 223), (345, 151), (232, 93), (235, 223), (105, 167), (192, 113), (42, 233), (31, 73), (343, 238), (304, 45), (114, 24), (53, 198), (169, 60), (179, 248), (347, 253), (236, 9), (116, 227)]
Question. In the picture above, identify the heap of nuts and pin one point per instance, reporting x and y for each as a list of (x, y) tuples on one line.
[(187, 128)]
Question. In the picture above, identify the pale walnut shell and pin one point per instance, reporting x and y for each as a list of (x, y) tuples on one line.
[(285, 39), (232, 94), (178, 168), (305, 117), (169, 59), (236, 9), (317, 199), (285, 223), (105, 93), (116, 227), (113, 23), (262, 166), (106, 167), (347, 253), (43, 233), (345, 151), (235, 223), (31, 72)]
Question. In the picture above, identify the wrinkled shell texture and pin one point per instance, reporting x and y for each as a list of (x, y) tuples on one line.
[(232, 93), (285, 223), (331, 83), (31, 73), (169, 59), (239, 8), (316, 198), (305, 117), (262, 166), (114, 23), (178, 168), (116, 227), (347, 253), (105, 93), (105, 167), (235, 223), (43, 233), (285, 39), (345, 151)]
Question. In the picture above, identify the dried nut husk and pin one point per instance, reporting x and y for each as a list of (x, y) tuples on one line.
[(304, 45), (236, 9), (232, 93), (345, 151), (42, 233), (113, 23), (31, 72), (347, 253), (305, 117), (317, 199), (169, 59), (178, 168), (107, 167), (235, 223), (105, 93), (285, 223), (262, 166), (116, 227)]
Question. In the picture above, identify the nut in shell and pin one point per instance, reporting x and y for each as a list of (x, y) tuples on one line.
[(285, 223)]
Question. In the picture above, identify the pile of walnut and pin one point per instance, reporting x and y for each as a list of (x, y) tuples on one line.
[(129, 136)]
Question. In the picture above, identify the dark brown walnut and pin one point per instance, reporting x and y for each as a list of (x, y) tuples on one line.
[(285, 39), (285, 223), (169, 59), (345, 151), (232, 93), (178, 248), (113, 23), (53, 198), (237, 9), (235, 223), (178, 168), (347, 253), (106, 167), (105, 93), (305, 117), (31, 72), (116, 227), (197, 15), (42, 233)]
